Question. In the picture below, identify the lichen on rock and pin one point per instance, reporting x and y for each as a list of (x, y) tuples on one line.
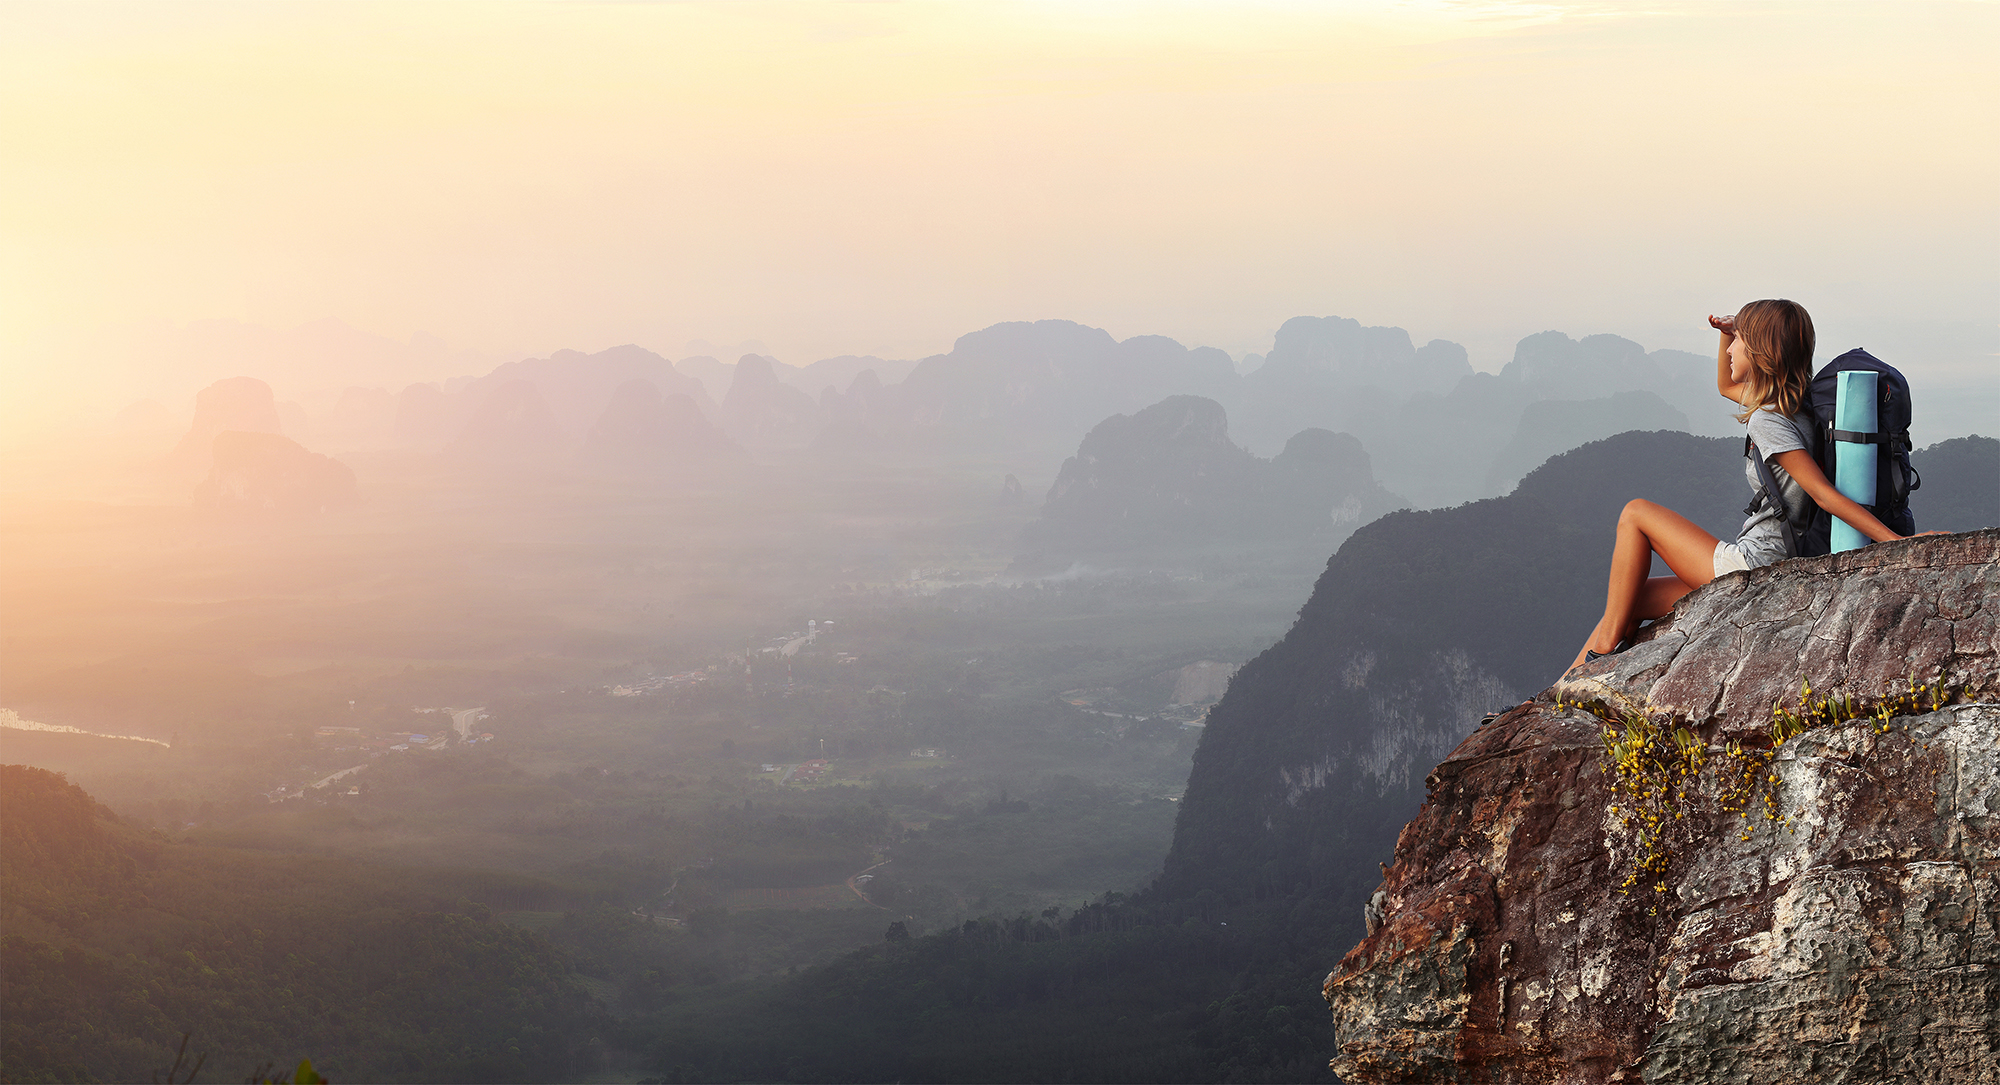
[(1854, 936)]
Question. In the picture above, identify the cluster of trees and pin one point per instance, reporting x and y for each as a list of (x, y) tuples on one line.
[(1220, 987), (118, 943)]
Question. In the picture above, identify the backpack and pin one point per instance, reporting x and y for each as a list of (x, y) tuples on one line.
[(1807, 531)]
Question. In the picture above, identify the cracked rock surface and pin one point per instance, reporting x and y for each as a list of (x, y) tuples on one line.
[(1856, 941)]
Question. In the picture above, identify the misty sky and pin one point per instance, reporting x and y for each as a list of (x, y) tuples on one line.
[(493, 181)]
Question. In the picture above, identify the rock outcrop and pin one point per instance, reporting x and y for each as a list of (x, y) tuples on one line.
[(1846, 930), (268, 472), (1170, 469), (241, 404), (1169, 477)]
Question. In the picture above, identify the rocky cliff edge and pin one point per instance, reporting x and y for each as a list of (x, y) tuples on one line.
[(1761, 846)]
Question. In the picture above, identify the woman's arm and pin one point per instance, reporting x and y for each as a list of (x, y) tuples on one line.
[(1730, 390), (1805, 471)]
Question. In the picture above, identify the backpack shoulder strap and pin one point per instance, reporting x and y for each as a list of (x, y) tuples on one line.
[(1772, 496)]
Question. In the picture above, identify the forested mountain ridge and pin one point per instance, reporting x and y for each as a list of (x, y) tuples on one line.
[(1420, 624), (118, 942), (1961, 485), (1423, 622)]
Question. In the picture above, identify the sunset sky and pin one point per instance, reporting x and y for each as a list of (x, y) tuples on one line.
[(500, 180)]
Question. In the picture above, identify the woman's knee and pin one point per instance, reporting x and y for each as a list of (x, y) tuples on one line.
[(1637, 512)]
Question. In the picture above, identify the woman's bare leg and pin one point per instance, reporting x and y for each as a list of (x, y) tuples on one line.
[(1645, 529)]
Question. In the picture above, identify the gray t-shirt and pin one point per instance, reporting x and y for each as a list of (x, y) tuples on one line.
[(1762, 539)]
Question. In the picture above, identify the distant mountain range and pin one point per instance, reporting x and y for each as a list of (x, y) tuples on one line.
[(762, 411), (814, 379), (1961, 485), (1442, 449), (552, 402), (1551, 426), (1049, 378), (1328, 371), (1023, 394), (644, 431)]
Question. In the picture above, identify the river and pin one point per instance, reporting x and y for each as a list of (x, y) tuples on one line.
[(12, 719)]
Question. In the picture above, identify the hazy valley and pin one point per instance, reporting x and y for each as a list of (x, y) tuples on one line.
[(696, 678)]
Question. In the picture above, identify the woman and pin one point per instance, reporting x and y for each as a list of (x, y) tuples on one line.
[(1764, 363)]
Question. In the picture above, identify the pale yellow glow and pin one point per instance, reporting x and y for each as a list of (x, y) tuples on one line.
[(833, 178)]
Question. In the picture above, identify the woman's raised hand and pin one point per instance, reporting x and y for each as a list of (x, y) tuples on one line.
[(1725, 383)]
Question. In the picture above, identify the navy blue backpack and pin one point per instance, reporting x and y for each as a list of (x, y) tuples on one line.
[(1808, 530)]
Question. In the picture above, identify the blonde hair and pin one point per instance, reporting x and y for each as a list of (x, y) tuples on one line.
[(1778, 335)]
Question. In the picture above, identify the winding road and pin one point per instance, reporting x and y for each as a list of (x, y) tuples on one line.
[(857, 888), (338, 775)]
